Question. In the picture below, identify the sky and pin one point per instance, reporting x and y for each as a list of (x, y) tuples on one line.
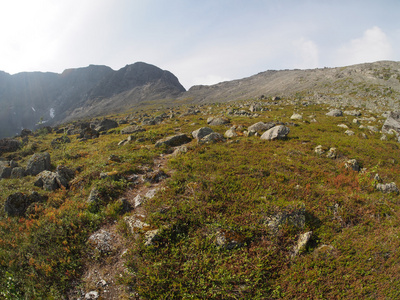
[(201, 42)]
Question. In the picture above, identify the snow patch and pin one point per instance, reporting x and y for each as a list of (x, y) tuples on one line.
[(52, 113)]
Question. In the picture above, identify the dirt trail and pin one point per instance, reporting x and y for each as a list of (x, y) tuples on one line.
[(99, 280)]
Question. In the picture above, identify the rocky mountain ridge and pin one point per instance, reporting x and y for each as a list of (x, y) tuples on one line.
[(27, 99)]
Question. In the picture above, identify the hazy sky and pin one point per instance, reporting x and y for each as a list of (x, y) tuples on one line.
[(200, 41)]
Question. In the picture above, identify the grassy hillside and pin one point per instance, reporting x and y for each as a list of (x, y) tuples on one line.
[(225, 218)]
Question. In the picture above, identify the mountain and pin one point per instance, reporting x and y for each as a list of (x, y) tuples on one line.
[(29, 98), (371, 85)]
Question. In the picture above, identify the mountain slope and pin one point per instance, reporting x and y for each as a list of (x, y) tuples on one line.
[(373, 85)]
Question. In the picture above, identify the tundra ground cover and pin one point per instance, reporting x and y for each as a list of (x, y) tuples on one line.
[(215, 213)]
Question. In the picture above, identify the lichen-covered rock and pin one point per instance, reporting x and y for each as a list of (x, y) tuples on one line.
[(173, 141), (277, 132), (212, 138), (47, 180), (293, 216), (102, 241), (39, 162), (387, 187)]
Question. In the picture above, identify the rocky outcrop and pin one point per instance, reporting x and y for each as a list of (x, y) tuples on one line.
[(392, 123)]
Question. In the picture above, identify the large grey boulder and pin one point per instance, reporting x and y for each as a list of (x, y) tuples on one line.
[(17, 172), (201, 132), (173, 141), (261, 126), (277, 132), (392, 123), (106, 125), (5, 171), (9, 145), (39, 162), (17, 203)]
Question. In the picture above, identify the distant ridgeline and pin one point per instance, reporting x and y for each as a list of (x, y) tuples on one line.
[(31, 99)]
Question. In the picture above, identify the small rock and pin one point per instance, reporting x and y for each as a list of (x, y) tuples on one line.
[(92, 295), (296, 116), (353, 164), (343, 126), (302, 242), (132, 129), (319, 150), (174, 141), (331, 153), (349, 132), (335, 113), (217, 121), (230, 133)]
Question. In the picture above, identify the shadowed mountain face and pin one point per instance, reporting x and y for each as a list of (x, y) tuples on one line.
[(27, 99)]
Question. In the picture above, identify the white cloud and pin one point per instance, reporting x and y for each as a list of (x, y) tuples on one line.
[(306, 54), (374, 45)]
